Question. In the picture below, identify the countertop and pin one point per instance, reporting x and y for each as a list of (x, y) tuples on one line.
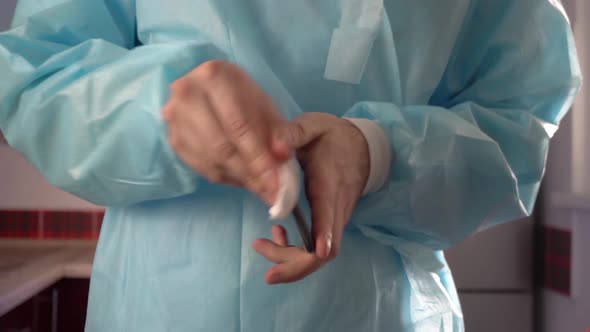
[(29, 266)]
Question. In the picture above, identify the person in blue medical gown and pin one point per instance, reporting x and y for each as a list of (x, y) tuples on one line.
[(415, 123)]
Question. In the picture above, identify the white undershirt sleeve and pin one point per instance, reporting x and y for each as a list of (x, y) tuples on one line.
[(380, 153)]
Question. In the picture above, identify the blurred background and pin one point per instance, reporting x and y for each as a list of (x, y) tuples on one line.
[(525, 276)]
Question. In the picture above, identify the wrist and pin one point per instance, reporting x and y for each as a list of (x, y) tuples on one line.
[(379, 153), (363, 160)]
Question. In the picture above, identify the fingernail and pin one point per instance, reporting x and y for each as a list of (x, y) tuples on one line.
[(328, 244)]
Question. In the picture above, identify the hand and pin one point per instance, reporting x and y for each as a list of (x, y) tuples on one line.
[(220, 124), (335, 158)]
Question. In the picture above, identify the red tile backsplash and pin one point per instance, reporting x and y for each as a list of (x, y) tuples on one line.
[(99, 215), (19, 224), (557, 259), (67, 224), (62, 224)]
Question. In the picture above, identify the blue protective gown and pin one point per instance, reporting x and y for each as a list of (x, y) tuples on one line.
[(469, 92)]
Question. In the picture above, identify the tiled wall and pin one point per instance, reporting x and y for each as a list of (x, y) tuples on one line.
[(50, 224), (557, 259)]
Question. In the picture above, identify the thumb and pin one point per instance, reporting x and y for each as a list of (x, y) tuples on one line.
[(301, 131)]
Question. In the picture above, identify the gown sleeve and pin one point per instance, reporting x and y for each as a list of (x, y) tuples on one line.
[(81, 100), (475, 155)]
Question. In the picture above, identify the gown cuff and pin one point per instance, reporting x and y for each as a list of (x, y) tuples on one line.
[(380, 153)]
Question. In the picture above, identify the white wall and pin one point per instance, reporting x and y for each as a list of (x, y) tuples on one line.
[(6, 10), (567, 187), (22, 187)]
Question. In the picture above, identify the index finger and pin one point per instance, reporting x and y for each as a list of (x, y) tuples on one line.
[(302, 265), (248, 127), (321, 193)]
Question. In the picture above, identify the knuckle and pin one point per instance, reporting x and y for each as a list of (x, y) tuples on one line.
[(167, 111), (297, 133), (300, 130), (239, 127), (252, 183), (174, 141), (261, 163), (215, 176), (180, 88), (211, 70), (225, 150)]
